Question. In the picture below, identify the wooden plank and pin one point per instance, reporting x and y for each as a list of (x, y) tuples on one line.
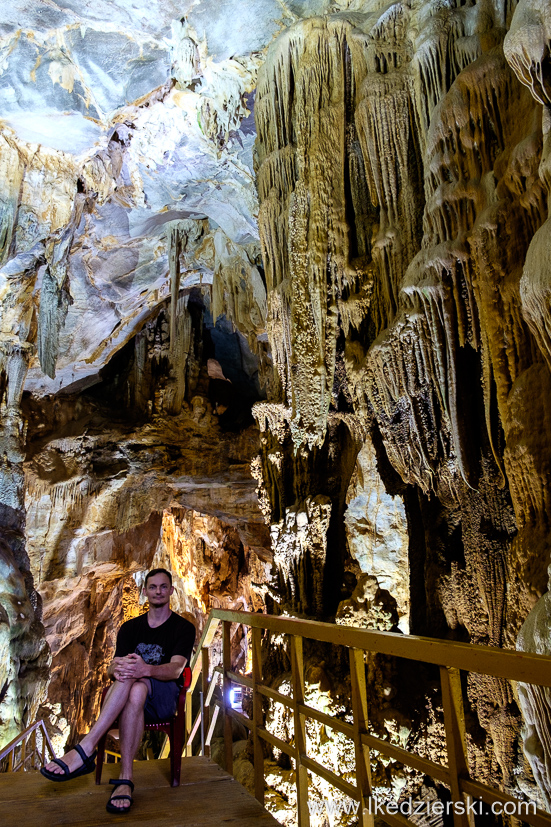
[(342, 785), (213, 720), (188, 749), (274, 695), (301, 774), (242, 719), (327, 720), (385, 747), (359, 710), (392, 819), (33, 755), (191, 736), (226, 689), (205, 667), (258, 717), (487, 660), (81, 803), (276, 742), (148, 774), (240, 680), (209, 632), (409, 758), (212, 686), (21, 737), (454, 725)]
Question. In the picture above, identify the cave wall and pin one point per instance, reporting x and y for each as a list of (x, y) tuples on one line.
[(334, 215), (401, 170)]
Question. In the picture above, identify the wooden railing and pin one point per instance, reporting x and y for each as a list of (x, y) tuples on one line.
[(450, 657), (28, 750)]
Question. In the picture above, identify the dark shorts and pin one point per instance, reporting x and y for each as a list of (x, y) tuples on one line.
[(162, 702)]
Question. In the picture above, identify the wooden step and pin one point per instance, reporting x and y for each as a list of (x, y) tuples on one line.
[(206, 797)]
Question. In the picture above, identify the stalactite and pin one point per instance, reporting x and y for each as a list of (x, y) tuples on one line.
[(180, 347), (303, 151), (238, 291), (300, 547), (174, 249), (55, 295)]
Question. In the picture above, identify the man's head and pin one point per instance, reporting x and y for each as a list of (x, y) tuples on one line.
[(158, 587)]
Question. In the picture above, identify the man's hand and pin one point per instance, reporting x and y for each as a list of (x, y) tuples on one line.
[(136, 667), (133, 667), (130, 667)]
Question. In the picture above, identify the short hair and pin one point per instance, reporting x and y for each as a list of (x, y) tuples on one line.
[(157, 571)]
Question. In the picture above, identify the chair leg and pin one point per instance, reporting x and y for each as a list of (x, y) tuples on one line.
[(176, 746), (100, 757)]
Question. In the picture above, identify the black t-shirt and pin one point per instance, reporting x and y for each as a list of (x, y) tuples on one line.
[(175, 636)]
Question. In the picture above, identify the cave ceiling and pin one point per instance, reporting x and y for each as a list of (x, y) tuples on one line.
[(275, 312)]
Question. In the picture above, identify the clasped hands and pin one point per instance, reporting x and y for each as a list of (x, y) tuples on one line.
[(130, 667)]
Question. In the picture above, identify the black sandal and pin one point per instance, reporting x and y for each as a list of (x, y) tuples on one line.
[(119, 782), (88, 765)]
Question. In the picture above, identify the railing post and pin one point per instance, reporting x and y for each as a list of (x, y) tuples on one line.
[(33, 748), (257, 715), (297, 665), (189, 725), (360, 716), (205, 711), (226, 689), (454, 724), (23, 754)]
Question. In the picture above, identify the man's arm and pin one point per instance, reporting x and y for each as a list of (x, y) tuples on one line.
[(134, 666), (125, 645), (116, 668)]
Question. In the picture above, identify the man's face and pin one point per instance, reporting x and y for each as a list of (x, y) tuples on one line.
[(158, 590)]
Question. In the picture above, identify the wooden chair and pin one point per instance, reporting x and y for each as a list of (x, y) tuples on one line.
[(174, 727)]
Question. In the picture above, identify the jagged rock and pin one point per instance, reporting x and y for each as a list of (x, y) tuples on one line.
[(535, 701), (377, 536), (24, 655)]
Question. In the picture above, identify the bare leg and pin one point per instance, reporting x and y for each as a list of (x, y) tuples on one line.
[(131, 725), (115, 701)]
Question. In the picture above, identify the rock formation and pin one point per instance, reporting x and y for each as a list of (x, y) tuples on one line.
[(535, 701), (392, 167), (274, 310)]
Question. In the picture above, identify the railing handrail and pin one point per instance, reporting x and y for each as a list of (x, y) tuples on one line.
[(470, 657), (451, 657), (5, 751)]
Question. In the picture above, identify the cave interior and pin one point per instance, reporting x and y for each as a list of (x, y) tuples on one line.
[(274, 314)]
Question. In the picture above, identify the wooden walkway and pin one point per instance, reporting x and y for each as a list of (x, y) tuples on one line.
[(207, 796)]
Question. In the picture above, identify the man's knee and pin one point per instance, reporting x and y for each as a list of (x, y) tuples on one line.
[(138, 693)]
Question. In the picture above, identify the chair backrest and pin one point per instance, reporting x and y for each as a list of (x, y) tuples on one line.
[(186, 674)]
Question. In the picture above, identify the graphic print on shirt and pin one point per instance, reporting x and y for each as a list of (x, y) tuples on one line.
[(150, 652)]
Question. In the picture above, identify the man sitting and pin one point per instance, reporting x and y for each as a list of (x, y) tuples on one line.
[(152, 651)]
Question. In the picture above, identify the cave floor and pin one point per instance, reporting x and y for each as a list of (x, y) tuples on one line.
[(206, 796)]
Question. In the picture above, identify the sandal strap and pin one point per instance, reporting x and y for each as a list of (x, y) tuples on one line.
[(62, 764), (119, 782), (79, 749)]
